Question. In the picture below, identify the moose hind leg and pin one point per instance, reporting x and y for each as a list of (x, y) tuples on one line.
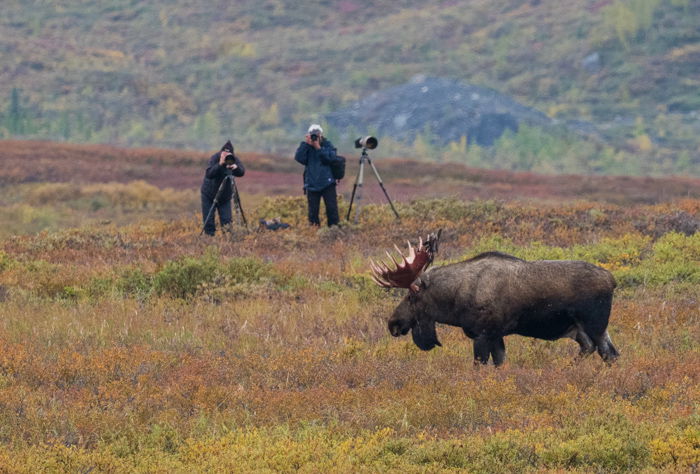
[(586, 345), (594, 322), (606, 349)]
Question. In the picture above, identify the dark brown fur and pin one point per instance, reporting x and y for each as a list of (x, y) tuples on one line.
[(493, 295)]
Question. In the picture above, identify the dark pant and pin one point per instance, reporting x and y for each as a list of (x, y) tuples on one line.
[(224, 209), (329, 199)]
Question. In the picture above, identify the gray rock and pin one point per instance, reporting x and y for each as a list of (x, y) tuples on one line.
[(446, 109)]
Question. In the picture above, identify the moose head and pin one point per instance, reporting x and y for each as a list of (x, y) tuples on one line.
[(409, 314)]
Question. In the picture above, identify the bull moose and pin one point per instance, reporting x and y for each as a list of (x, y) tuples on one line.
[(494, 294)]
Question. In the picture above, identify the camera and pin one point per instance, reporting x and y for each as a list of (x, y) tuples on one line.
[(229, 160), (314, 137), (368, 142)]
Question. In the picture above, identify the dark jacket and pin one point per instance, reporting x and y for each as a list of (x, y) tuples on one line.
[(215, 174), (317, 174)]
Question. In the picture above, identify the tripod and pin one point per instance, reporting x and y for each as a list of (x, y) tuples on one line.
[(357, 187), (235, 197)]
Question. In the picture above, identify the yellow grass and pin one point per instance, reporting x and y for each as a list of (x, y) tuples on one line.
[(278, 359)]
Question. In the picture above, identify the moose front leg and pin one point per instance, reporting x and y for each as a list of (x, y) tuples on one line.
[(498, 350), (489, 346), (481, 350)]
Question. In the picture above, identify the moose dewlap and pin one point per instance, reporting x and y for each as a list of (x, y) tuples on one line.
[(494, 295)]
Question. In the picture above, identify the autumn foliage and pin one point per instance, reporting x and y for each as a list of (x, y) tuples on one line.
[(129, 342)]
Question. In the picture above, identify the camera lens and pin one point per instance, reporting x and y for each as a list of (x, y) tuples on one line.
[(368, 142), (230, 160), (314, 137)]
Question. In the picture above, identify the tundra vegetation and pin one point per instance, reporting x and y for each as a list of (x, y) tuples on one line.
[(130, 343)]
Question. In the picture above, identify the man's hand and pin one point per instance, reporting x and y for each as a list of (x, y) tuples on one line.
[(314, 143), (222, 160)]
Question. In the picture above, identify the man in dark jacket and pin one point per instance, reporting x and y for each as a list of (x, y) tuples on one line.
[(215, 174), (317, 153)]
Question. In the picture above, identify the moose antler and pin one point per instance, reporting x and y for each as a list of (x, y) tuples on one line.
[(410, 268)]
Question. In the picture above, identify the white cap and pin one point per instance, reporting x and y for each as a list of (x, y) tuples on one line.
[(314, 127)]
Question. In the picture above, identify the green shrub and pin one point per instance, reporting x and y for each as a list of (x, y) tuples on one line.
[(610, 452), (99, 286), (134, 281), (246, 270), (451, 209), (503, 454), (493, 242), (625, 250), (680, 450), (181, 278), (70, 293), (632, 259), (365, 287), (676, 246), (673, 258)]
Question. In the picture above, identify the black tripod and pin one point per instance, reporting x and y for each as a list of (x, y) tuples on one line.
[(235, 197), (357, 187)]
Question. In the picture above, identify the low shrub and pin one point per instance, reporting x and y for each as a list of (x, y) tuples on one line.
[(679, 450), (633, 259), (134, 281), (181, 278), (185, 277), (365, 287), (451, 209), (609, 452), (674, 257)]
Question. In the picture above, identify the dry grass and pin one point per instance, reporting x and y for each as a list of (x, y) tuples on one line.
[(130, 343)]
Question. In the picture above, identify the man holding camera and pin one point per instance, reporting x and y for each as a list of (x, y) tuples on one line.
[(317, 154), (221, 164)]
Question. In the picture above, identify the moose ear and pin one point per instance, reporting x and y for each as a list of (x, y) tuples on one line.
[(424, 335), (414, 294)]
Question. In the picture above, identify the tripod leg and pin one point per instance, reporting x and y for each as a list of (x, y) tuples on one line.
[(352, 196), (358, 194), (237, 202), (240, 209), (206, 219), (211, 209), (381, 185)]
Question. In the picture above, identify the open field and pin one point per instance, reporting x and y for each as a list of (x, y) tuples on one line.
[(130, 343)]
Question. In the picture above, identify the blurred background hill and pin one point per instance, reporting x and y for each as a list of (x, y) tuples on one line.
[(604, 86)]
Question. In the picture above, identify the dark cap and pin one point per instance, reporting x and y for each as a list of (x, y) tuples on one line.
[(228, 146)]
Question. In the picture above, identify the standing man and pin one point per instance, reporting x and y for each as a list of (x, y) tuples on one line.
[(220, 164), (317, 154)]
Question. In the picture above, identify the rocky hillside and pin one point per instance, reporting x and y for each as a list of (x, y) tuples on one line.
[(186, 75), (446, 109)]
